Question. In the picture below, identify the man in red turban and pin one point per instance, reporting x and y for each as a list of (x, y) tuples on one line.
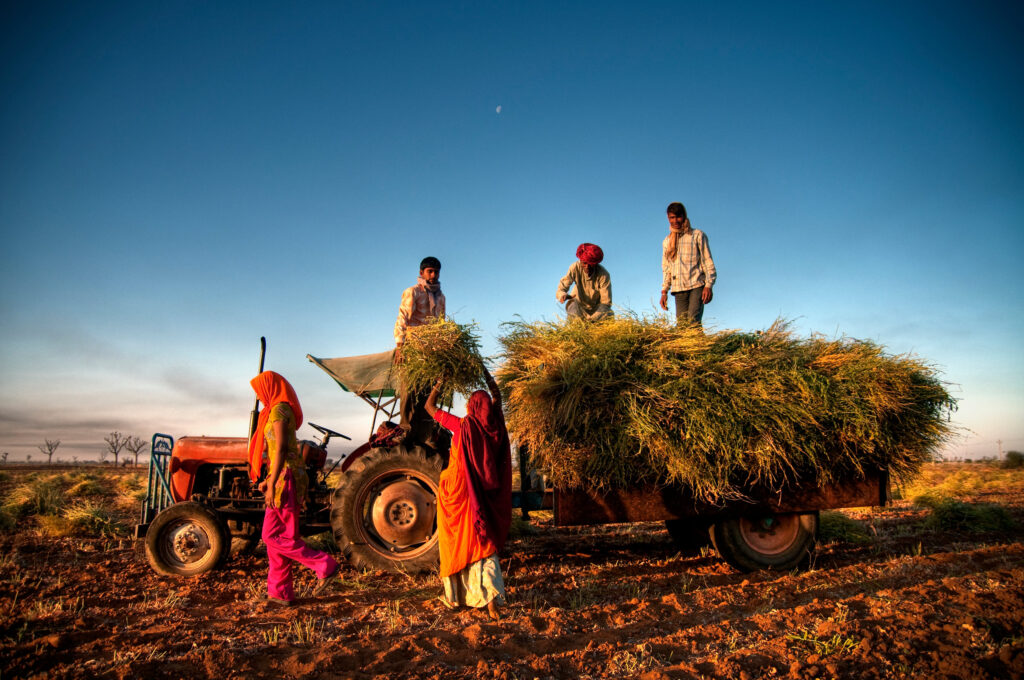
[(592, 297)]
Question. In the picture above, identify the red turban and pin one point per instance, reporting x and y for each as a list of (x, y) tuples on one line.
[(588, 253)]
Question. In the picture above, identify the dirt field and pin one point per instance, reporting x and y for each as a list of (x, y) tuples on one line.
[(890, 594)]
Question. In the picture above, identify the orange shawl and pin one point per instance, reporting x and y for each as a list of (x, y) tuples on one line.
[(475, 494), (271, 388)]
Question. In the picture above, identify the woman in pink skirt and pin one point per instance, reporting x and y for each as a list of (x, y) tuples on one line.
[(284, 489)]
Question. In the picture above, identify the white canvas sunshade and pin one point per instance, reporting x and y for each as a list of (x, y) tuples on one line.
[(369, 375)]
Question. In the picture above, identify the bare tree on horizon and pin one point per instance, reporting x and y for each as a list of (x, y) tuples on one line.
[(136, 445), (3, 458), (115, 443), (48, 449)]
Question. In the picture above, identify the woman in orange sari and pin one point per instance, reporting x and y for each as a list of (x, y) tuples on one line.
[(474, 501), (284, 489)]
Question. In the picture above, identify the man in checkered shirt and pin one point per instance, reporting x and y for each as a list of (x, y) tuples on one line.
[(687, 268), (420, 304)]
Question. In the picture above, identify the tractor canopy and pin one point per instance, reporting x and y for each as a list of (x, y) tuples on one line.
[(368, 375)]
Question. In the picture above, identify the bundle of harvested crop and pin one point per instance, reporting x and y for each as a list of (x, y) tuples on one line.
[(638, 401), (442, 349)]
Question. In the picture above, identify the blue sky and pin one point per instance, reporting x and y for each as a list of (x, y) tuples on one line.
[(178, 179)]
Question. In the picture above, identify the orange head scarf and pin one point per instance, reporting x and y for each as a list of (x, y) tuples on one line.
[(271, 388)]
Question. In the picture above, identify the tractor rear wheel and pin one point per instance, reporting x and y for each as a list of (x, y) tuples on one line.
[(766, 540), (186, 539), (384, 510)]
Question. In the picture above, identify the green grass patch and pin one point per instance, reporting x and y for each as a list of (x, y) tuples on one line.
[(86, 487), (90, 518), (964, 480), (823, 645), (131, 483), (35, 496), (950, 514), (520, 526), (8, 520), (55, 526), (836, 527)]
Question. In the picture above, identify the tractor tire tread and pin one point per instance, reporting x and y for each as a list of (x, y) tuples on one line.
[(727, 539), (366, 559), (220, 538)]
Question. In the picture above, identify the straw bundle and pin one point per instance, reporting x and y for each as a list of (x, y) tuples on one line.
[(442, 349), (638, 401)]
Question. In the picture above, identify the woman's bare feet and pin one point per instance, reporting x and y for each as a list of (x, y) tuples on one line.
[(493, 611)]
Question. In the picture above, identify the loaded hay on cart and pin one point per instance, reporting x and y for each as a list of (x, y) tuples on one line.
[(635, 419)]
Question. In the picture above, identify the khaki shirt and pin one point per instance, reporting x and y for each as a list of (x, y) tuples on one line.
[(594, 292)]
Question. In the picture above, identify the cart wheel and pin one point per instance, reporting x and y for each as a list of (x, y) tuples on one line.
[(186, 539), (766, 541), (689, 535), (384, 511)]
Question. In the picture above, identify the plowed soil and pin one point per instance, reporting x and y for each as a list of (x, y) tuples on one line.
[(613, 601)]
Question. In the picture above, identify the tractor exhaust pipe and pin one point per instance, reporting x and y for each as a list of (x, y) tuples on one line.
[(254, 415)]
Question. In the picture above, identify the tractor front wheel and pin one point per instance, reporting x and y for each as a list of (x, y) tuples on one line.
[(186, 539), (766, 540), (384, 510)]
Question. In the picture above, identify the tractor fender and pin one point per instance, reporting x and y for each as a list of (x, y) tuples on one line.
[(355, 455)]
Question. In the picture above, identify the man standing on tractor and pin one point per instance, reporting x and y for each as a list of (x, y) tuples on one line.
[(592, 299), (420, 304), (688, 271)]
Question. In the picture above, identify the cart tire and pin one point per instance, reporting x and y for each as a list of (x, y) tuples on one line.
[(186, 539), (766, 541), (689, 535), (384, 510)]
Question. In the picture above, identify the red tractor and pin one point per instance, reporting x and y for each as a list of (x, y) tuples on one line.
[(381, 509)]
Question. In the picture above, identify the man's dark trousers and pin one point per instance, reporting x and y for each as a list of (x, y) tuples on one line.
[(689, 306)]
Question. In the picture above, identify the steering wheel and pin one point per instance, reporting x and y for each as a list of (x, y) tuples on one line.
[(328, 431)]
